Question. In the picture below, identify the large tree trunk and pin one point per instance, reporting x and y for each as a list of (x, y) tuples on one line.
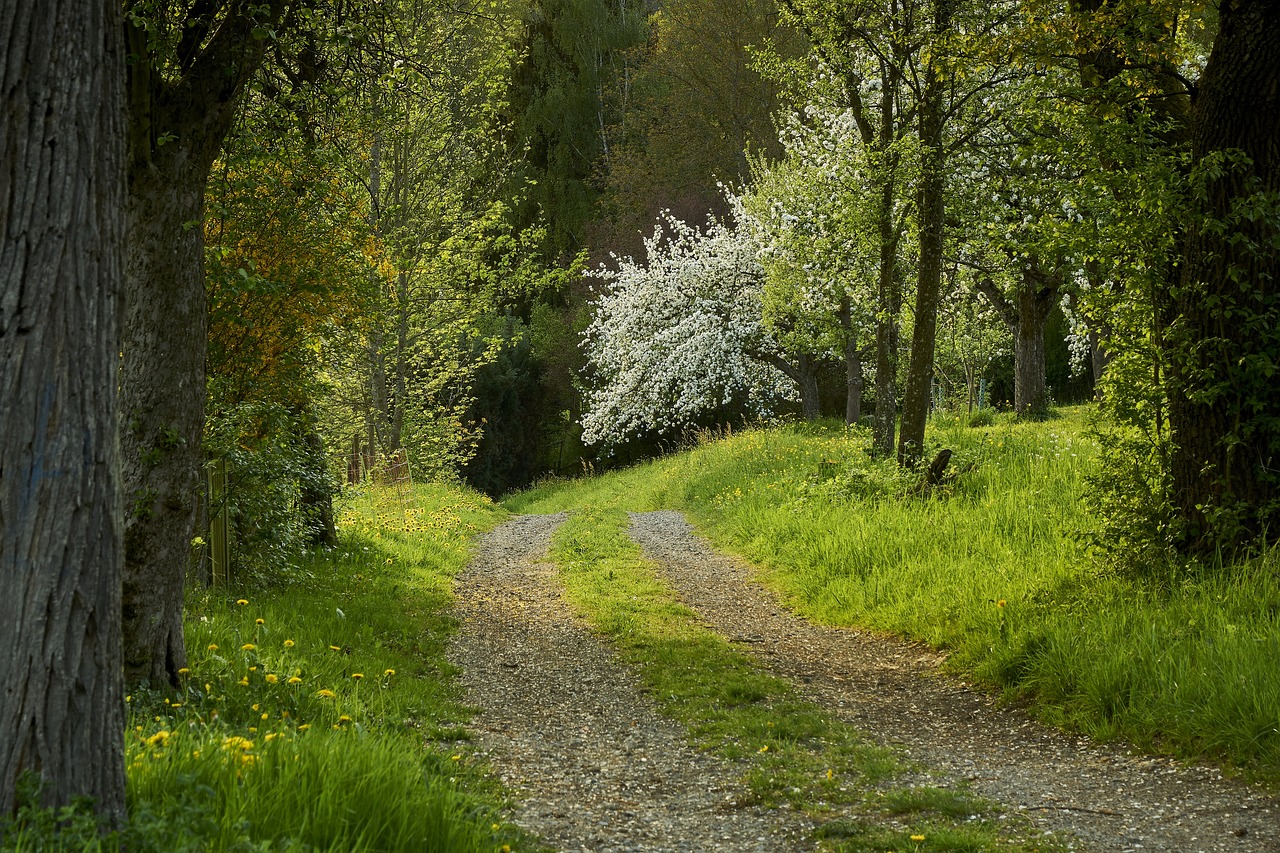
[(162, 386), (1224, 341), (1026, 315), (931, 213), (1030, 394), (61, 236), (175, 130)]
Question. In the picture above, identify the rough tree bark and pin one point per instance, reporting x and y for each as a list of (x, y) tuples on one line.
[(180, 109), (61, 238), (931, 211), (1224, 340), (1026, 315)]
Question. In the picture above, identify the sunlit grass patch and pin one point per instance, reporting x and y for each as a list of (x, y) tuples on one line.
[(995, 568), (320, 714)]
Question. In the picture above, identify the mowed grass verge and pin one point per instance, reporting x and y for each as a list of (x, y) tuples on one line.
[(317, 714), (996, 569)]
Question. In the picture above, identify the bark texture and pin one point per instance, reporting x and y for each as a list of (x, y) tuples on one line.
[(1026, 314), (1223, 343), (180, 109), (61, 228), (931, 213)]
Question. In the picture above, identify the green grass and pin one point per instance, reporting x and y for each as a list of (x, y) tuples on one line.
[(788, 751), (995, 569), (319, 715)]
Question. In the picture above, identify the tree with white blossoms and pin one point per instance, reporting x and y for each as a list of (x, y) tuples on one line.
[(680, 337), (825, 225)]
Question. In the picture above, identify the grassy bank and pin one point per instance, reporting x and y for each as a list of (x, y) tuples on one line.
[(317, 714), (995, 569), (791, 752)]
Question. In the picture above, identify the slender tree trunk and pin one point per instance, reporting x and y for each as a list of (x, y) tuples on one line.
[(61, 532), (888, 312), (931, 212), (1224, 341), (853, 378), (889, 285)]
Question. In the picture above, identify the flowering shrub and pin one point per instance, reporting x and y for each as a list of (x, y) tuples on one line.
[(678, 337)]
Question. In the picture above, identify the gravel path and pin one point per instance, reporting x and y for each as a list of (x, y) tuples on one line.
[(1106, 798), (594, 765)]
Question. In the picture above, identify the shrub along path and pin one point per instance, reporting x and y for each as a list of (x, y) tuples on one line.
[(1104, 796), (596, 767)]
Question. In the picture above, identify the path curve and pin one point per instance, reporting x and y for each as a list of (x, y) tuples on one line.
[(1108, 799), (594, 766)]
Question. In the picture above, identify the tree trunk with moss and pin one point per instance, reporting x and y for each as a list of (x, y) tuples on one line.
[(61, 238)]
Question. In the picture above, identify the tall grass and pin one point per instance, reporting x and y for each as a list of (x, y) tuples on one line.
[(995, 568), (317, 714)]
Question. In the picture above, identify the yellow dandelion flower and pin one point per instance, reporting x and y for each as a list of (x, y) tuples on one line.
[(272, 678), (270, 737), (242, 601), (764, 748), (326, 693), (237, 742), (183, 671), (288, 644), (248, 647), (389, 672), (455, 757), (917, 838), (344, 719), (159, 738), (304, 727), (336, 648), (253, 729), (295, 680), (255, 706), (253, 669), (266, 714), (357, 675), (259, 621), (213, 647), (244, 682)]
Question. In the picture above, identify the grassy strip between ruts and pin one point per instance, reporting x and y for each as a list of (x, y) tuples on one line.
[(317, 715), (995, 568), (792, 754)]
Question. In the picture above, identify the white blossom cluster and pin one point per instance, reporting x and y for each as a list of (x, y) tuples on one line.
[(679, 336)]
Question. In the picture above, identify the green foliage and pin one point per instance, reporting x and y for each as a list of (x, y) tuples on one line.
[(568, 52)]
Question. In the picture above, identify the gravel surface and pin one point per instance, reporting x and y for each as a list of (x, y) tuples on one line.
[(1101, 798), (593, 764)]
